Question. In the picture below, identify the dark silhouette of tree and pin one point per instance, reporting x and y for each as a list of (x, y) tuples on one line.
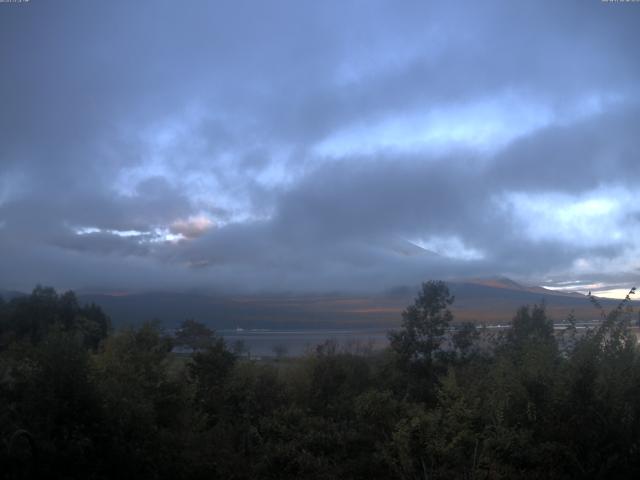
[(121, 404), (280, 351), (416, 344), (31, 317), (210, 368), (424, 323), (530, 325), (194, 334), (464, 338)]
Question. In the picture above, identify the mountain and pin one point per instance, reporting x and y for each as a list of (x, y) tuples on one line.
[(497, 299), (229, 312), (405, 248), (8, 295), (495, 282), (488, 300), (508, 284)]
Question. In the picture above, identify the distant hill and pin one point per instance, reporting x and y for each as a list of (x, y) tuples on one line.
[(508, 284), (493, 300), (261, 311), (10, 294), (496, 300)]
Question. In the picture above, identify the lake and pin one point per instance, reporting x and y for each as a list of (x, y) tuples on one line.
[(297, 342)]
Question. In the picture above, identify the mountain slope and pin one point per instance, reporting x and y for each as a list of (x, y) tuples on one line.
[(482, 300)]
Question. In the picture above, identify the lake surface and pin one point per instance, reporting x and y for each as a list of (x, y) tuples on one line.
[(297, 342), (268, 343)]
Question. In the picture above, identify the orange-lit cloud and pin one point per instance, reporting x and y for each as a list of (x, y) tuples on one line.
[(192, 227)]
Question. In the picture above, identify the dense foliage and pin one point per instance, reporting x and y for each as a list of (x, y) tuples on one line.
[(79, 401)]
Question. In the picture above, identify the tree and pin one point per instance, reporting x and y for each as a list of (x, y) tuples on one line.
[(280, 350), (210, 368), (464, 338), (531, 325), (195, 335), (142, 403), (423, 325), (50, 411), (239, 348), (33, 316)]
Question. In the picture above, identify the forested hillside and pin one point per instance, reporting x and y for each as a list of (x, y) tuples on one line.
[(79, 399)]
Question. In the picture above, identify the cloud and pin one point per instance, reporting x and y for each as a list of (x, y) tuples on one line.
[(317, 146), (192, 227)]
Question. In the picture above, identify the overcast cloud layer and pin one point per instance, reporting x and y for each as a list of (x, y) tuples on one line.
[(318, 146)]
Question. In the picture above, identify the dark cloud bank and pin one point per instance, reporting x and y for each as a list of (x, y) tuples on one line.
[(317, 146)]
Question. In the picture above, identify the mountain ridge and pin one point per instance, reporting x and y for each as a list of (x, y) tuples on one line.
[(482, 300)]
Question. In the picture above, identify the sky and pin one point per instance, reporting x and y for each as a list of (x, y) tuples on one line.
[(305, 146)]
